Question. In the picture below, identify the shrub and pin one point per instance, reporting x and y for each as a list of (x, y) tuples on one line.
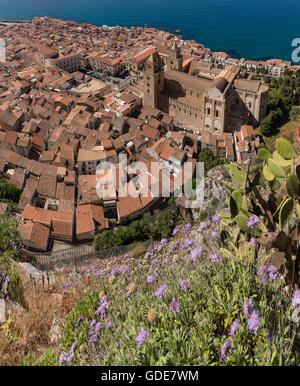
[(188, 319)]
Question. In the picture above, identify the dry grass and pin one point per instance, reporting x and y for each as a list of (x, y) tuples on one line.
[(39, 326), (29, 331)]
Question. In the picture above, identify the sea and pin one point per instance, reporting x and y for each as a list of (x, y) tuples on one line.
[(256, 29)]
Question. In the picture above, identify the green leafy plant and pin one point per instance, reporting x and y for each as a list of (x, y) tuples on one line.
[(266, 205)]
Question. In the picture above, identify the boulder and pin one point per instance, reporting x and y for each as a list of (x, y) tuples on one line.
[(2, 311), (4, 283)]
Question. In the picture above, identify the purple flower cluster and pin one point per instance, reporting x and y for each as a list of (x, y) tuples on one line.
[(254, 321), (248, 307), (253, 222), (234, 327), (65, 357), (142, 337), (214, 234), (296, 298), (161, 291), (203, 227), (214, 258), (174, 306), (175, 231), (104, 305), (252, 315), (184, 284), (188, 243), (216, 219), (150, 279), (225, 349), (78, 321), (164, 242), (267, 274), (194, 253), (187, 229)]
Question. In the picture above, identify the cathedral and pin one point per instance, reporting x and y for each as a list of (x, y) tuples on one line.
[(220, 104)]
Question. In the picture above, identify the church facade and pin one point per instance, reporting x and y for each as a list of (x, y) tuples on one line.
[(220, 104)]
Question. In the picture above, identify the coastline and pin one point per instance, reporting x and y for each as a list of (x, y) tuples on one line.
[(230, 51)]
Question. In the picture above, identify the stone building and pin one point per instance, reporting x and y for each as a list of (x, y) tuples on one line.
[(220, 104)]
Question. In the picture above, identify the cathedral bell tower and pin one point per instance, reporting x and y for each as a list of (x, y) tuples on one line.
[(175, 59), (153, 81)]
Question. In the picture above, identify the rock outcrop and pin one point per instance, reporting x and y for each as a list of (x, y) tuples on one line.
[(4, 283), (215, 193)]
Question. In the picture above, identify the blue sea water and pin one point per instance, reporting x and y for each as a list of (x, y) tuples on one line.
[(256, 29)]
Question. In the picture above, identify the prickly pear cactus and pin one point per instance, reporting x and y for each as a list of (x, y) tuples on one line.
[(272, 217)]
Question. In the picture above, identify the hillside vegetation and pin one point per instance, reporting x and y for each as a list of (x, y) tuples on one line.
[(220, 292)]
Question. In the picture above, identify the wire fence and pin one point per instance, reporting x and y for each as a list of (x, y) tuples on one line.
[(74, 257)]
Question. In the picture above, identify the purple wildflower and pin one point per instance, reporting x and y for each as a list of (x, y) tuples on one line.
[(272, 273), (174, 306), (234, 327), (203, 226), (184, 284), (109, 324), (78, 321), (216, 219), (104, 305), (187, 229), (150, 279), (195, 253), (296, 298), (142, 336), (253, 322), (262, 273), (226, 346), (98, 327), (214, 234), (164, 242), (253, 221), (175, 231), (253, 241), (94, 338), (215, 258), (92, 324), (268, 336), (65, 357), (188, 243), (161, 291), (248, 307), (267, 274)]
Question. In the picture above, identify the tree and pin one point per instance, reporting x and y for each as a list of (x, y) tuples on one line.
[(294, 113), (269, 125), (10, 238), (210, 160)]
